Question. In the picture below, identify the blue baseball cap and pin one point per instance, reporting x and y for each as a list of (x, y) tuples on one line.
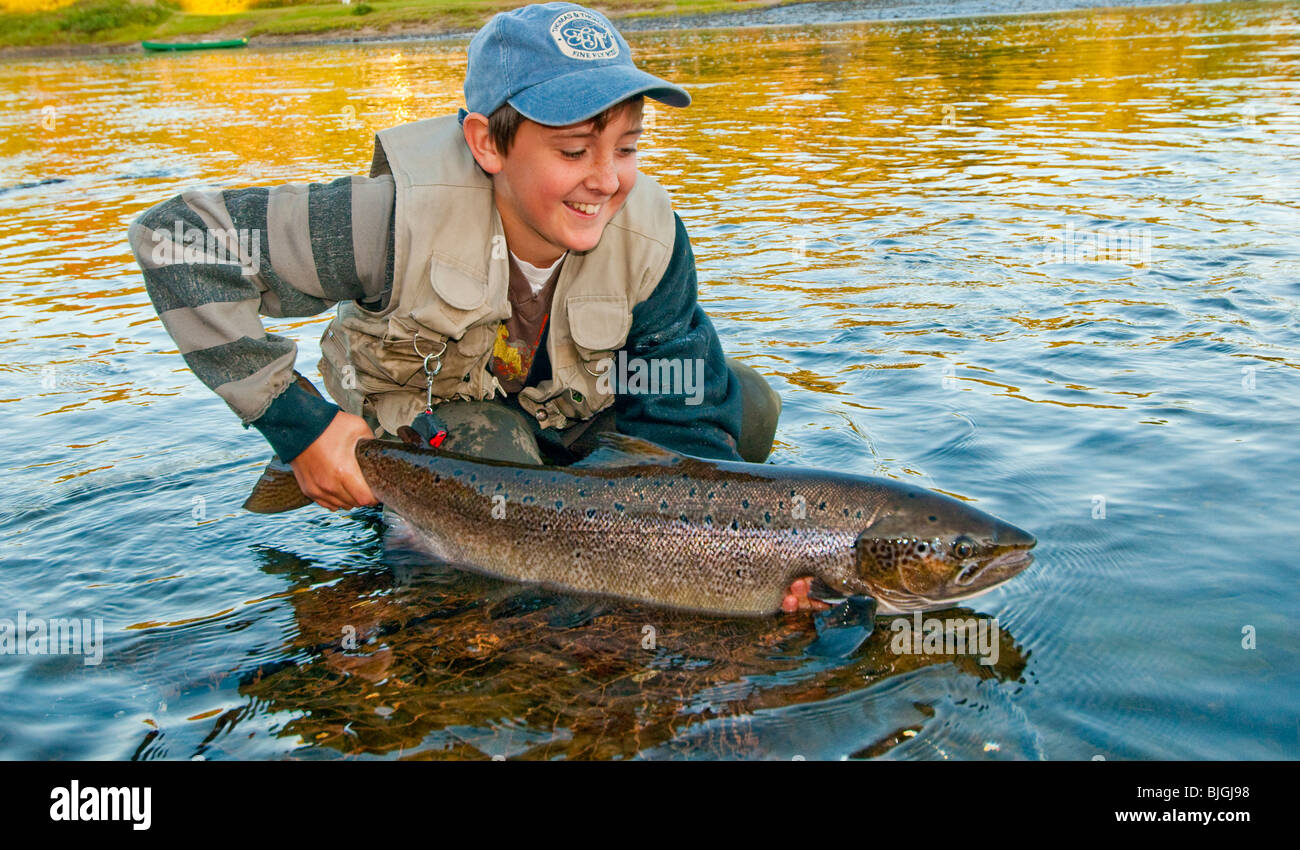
[(558, 64)]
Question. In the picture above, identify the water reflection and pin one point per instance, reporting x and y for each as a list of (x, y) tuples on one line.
[(428, 663)]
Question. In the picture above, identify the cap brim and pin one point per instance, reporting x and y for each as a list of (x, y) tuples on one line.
[(579, 95)]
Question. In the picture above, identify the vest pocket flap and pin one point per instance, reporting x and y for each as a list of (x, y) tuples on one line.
[(598, 322), (458, 288), (477, 340)]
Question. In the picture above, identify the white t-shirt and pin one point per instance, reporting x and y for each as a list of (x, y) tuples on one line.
[(536, 277)]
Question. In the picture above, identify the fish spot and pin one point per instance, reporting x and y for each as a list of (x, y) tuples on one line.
[(744, 503), (683, 518), (934, 519), (591, 513), (609, 483), (559, 504), (692, 493), (663, 505), (767, 516), (711, 494), (582, 494), (528, 500), (821, 507), (735, 525), (618, 506), (473, 477)]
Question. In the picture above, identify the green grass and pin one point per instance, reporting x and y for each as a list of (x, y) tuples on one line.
[(108, 22)]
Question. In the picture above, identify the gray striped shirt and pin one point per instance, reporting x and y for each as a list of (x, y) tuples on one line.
[(215, 261)]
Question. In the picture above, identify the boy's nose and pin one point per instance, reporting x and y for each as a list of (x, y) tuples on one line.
[(603, 177)]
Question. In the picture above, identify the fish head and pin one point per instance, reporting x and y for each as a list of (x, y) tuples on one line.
[(932, 551)]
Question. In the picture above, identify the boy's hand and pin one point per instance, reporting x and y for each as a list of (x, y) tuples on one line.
[(327, 470), (796, 598)]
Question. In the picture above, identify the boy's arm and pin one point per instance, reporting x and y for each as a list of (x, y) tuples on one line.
[(303, 249), (670, 324)]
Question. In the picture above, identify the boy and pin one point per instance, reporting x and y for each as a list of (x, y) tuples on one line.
[(512, 250)]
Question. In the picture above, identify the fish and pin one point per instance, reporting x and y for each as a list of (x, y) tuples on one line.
[(639, 522)]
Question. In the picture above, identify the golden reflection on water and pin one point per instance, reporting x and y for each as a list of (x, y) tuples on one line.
[(834, 134)]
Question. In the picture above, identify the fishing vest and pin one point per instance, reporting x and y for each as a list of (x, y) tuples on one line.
[(451, 282)]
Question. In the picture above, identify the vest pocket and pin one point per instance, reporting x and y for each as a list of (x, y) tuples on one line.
[(462, 363), (382, 361), (454, 302), (598, 324)]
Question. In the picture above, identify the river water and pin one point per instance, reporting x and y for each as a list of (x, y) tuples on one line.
[(1047, 263)]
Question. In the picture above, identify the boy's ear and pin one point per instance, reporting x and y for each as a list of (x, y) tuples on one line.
[(480, 143)]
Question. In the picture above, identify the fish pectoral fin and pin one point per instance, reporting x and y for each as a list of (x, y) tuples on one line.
[(276, 491), (823, 592), (615, 449), (844, 628)]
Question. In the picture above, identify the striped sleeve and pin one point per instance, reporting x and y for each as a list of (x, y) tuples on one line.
[(215, 261)]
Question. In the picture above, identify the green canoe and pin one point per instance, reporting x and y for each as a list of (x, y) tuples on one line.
[(193, 45)]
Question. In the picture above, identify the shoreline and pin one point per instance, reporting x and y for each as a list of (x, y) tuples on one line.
[(781, 13)]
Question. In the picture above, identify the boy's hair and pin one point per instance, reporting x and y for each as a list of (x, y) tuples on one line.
[(505, 121)]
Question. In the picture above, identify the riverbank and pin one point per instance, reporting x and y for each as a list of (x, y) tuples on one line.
[(118, 26)]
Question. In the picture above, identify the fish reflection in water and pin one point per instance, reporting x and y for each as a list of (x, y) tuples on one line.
[(425, 661)]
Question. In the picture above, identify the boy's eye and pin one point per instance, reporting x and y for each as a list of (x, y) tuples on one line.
[(578, 153)]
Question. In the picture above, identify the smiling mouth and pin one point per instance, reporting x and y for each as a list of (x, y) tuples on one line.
[(584, 210)]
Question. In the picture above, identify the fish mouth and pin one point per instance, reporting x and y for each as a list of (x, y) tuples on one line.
[(997, 569)]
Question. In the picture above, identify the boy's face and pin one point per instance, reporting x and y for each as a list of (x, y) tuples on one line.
[(558, 187)]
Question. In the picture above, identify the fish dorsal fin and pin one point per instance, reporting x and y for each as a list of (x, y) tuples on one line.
[(615, 449)]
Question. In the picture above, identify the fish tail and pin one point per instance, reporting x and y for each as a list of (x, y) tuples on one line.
[(277, 490)]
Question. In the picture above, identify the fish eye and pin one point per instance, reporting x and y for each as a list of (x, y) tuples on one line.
[(963, 548), (922, 548)]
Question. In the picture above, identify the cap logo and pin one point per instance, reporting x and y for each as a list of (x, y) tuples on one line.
[(581, 35)]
